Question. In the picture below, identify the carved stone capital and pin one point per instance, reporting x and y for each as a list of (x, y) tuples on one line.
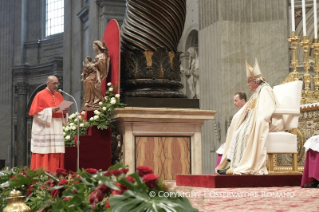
[(21, 88)]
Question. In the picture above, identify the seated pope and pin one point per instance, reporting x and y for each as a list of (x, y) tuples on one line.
[(245, 147)]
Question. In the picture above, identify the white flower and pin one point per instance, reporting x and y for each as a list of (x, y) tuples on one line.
[(80, 117), (109, 84), (96, 117), (100, 103), (67, 137), (81, 125), (96, 112), (106, 98), (83, 113), (117, 95), (113, 98), (104, 108), (64, 134), (91, 119), (113, 101), (66, 129), (74, 128), (75, 119), (71, 124), (110, 89), (72, 116)]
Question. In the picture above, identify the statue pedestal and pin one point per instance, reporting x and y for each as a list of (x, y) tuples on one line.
[(167, 140)]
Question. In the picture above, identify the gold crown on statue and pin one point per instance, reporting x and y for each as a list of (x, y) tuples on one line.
[(253, 73)]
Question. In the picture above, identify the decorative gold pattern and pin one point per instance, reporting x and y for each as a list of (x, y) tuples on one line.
[(171, 58), (148, 55), (309, 115), (293, 76)]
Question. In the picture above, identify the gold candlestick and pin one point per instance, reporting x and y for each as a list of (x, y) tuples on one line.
[(315, 47), (294, 62), (306, 78)]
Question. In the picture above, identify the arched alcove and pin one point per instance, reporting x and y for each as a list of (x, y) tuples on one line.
[(190, 44)]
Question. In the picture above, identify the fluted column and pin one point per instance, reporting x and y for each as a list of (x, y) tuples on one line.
[(22, 90)]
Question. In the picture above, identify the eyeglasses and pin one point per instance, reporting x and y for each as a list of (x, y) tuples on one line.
[(251, 81), (54, 83)]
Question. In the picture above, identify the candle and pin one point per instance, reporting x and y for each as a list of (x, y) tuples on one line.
[(315, 17), (304, 18), (293, 15)]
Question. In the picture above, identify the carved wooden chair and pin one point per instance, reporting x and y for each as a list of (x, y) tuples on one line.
[(288, 96)]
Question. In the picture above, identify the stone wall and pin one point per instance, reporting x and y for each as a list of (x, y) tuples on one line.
[(6, 61)]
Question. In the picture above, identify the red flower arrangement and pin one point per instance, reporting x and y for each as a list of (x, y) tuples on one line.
[(131, 179), (107, 205), (143, 170), (91, 171), (95, 197), (99, 191), (150, 180), (60, 171)]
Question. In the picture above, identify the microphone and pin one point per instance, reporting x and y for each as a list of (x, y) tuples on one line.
[(78, 146), (65, 93)]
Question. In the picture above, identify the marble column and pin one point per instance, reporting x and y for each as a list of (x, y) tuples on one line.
[(22, 90)]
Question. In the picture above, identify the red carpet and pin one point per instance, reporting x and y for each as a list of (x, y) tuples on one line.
[(237, 181), (278, 199)]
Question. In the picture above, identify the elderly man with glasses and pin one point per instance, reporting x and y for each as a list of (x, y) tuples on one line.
[(47, 140), (245, 147)]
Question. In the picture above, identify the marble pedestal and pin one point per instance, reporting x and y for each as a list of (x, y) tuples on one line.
[(134, 122)]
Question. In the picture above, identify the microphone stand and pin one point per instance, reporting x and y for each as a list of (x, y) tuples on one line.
[(78, 146)]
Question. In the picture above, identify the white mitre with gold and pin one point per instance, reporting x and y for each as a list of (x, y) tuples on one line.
[(253, 73)]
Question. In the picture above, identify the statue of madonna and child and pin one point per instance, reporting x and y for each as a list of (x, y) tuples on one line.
[(93, 75)]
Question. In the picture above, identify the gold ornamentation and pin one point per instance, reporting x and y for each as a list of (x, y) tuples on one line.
[(171, 55), (315, 47), (16, 202), (293, 76), (148, 55), (306, 78)]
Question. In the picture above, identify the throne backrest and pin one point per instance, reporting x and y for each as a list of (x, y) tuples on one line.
[(288, 96)]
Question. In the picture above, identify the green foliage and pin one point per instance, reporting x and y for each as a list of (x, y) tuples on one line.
[(71, 129), (101, 119), (90, 190)]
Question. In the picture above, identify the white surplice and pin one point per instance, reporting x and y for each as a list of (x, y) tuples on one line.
[(47, 133)]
